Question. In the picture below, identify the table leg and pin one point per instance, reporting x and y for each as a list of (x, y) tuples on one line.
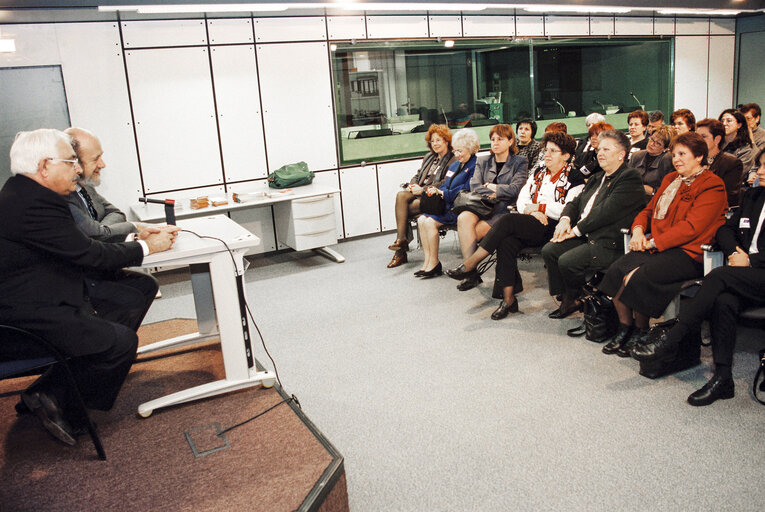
[(330, 253)]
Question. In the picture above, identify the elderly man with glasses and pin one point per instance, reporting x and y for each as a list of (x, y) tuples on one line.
[(43, 257)]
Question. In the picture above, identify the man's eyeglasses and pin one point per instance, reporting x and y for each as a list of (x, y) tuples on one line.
[(73, 163)]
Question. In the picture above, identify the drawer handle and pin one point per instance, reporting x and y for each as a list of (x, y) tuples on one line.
[(316, 233), (315, 216), (310, 200)]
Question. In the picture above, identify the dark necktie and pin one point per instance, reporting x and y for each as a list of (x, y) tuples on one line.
[(89, 202)]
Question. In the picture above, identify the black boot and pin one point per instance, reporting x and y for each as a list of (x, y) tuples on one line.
[(622, 336), (637, 338)]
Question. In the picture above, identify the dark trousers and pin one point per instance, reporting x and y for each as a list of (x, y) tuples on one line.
[(508, 236), (100, 336), (725, 292), (571, 262)]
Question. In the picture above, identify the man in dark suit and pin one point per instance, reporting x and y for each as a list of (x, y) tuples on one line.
[(726, 166), (724, 293), (588, 236), (123, 290), (43, 256)]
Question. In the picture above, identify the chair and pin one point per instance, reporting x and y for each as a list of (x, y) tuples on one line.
[(23, 353)]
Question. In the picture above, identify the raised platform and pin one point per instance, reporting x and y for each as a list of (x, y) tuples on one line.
[(278, 461)]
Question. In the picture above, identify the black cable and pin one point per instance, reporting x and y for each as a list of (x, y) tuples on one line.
[(286, 400), (254, 323)]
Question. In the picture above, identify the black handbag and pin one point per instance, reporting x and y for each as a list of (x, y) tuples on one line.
[(481, 205), (600, 319), (434, 205), (759, 376)]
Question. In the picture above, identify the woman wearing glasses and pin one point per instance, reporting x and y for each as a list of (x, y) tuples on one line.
[(654, 162)]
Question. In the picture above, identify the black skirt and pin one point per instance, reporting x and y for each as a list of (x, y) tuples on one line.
[(658, 280)]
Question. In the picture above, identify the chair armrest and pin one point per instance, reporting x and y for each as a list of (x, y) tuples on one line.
[(713, 257), (627, 237)]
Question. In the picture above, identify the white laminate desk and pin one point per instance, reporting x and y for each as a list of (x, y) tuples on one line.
[(304, 216), (218, 284)]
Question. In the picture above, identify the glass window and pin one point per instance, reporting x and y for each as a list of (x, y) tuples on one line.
[(389, 93)]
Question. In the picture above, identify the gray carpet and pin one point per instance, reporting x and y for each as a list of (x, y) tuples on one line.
[(437, 407)]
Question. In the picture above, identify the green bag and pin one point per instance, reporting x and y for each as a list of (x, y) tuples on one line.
[(290, 175)]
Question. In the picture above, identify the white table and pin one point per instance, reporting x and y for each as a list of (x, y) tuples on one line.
[(216, 276), (304, 216)]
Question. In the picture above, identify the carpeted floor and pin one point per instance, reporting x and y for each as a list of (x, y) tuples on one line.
[(435, 407), (272, 463)]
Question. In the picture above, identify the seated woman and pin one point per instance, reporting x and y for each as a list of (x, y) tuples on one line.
[(588, 236), (586, 164), (683, 215), (500, 175), (737, 141), (726, 166), (431, 172), (466, 144), (683, 120), (637, 120), (655, 161), (539, 205), (724, 293), (527, 129)]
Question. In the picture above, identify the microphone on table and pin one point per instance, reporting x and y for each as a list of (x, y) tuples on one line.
[(169, 208)]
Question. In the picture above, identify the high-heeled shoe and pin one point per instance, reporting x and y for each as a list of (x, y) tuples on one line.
[(399, 245), (399, 258), (504, 309), (419, 273), (435, 271), (460, 273)]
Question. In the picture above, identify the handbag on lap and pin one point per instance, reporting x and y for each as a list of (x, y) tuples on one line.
[(481, 205), (434, 205)]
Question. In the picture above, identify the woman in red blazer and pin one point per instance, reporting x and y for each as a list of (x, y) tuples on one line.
[(665, 249)]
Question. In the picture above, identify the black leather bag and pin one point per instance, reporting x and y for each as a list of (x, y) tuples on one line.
[(759, 379), (600, 319), (481, 205), (434, 205)]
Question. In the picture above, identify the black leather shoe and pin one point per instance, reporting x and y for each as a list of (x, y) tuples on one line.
[(622, 336), (505, 309), (460, 273), (46, 409), (470, 283), (664, 347), (638, 338), (566, 308), (716, 389), (435, 271), (419, 273)]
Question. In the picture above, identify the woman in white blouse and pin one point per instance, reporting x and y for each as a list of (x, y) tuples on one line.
[(539, 207)]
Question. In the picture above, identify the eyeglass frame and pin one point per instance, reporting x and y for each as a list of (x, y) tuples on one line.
[(74, 163)]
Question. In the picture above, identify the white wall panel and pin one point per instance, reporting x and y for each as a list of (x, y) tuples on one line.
[(691, 74), (382, 27), (330, 179), (626, 26), (529, 25), (664, 26), (139, 34), (721, 59), (567, 25), (390, 177), (445, 26), (309, 28), (239, 117), (692, 26), (175, 117), (601, 25), (237, 30), (488, 26), (722, 26), (98, 100), (296, 99), (360, 203), (36, 45), (259, 221), (347, 27)]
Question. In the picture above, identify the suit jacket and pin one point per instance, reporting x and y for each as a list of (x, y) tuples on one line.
[(43, 253), (510, 179), (110, 224), (740, 228), (692, 218), (731, 171), (614, 209), (652, 175), (440, 174)]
